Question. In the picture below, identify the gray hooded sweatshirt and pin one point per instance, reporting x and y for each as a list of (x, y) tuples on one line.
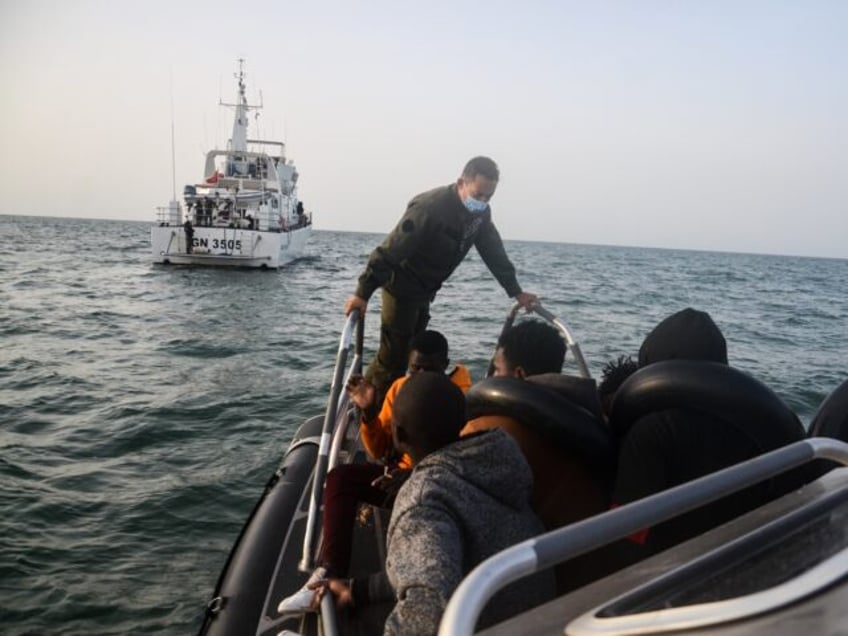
[(461, 505)]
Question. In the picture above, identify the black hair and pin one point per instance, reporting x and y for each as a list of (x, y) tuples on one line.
[(615, 372), (482, 166), (535, 346), (429, 343), (613, 375), (428, 413)]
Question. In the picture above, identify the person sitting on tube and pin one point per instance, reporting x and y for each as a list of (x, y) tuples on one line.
[(672, 446), (348, 485), (466, 499)]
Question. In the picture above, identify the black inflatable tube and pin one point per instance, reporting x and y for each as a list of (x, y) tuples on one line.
[(545, 411), (240, 593), (831, 418), (709, 387)]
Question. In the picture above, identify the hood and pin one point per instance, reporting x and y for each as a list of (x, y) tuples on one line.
[(489, 461), (687, 335)]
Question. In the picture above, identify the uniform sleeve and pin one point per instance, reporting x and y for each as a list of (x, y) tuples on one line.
[(490, 247), (399, 245), (424, 565)]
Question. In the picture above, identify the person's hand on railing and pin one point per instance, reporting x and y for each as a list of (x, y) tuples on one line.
[(355, 302), (341, 589), (527, 300), (364, 395)]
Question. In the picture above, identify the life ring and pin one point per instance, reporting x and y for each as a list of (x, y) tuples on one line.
[(545, 411), (831, 418), (709, 387)]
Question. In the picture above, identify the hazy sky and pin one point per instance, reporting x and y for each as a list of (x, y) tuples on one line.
[(718, 125)]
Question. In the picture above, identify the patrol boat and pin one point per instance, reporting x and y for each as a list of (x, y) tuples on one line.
[(244, 213), (780, 567)]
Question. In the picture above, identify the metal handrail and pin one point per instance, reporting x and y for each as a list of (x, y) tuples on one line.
[(559, 545), (342, 419), (342, 416), (355, 321), (329, 618), (570, 342)]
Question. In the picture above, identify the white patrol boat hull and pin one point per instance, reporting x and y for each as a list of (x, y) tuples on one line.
[(245, 212), (228, 247)]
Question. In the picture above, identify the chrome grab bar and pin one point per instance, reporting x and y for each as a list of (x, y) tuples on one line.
[(342, 418), (559, 545), (329, 618), (570, 342), (569, 339), (355, 322)]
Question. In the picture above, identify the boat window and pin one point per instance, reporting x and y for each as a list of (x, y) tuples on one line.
[(770, 567)]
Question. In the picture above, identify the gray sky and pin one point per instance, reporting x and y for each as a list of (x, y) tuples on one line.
[(715, 125)]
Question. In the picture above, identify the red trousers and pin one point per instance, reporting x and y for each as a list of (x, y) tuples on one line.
[(347, 485)]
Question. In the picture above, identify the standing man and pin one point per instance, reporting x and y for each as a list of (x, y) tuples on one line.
[(189, 235), (430, 241)]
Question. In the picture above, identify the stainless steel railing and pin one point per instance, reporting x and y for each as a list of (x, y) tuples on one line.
[(570, 342), (559, 545), (355, 324)]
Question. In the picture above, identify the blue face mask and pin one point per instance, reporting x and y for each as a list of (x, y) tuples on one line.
[(474, 205)]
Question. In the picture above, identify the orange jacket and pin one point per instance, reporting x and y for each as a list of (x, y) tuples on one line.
[(377, 434)]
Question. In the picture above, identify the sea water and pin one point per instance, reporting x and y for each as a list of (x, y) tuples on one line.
[(143, 407)]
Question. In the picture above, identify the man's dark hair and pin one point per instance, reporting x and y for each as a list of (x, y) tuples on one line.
[(482, 166), (535, 346), (428, 412), (613, 375), (429, 343), (615, 372)]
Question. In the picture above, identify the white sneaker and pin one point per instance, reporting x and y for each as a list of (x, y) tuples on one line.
[(301, 601)]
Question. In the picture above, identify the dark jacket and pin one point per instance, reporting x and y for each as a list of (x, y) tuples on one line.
[(461, 505), (428, 244), (671, 446)]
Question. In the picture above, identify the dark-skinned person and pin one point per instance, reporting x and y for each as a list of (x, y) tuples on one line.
[(613, 375), (350, 485), (421, 252), (674, 445), (567, 444), (466, 499)]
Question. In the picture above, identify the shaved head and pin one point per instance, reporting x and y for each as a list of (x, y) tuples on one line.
[(428, 413)]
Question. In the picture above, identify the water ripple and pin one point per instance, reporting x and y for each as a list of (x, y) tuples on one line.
[(144, 407)]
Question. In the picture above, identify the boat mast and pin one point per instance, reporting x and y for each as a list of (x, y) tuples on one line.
[(173, 151), (238, 141)]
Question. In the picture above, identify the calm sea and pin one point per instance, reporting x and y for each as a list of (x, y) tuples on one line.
[(143, 407)]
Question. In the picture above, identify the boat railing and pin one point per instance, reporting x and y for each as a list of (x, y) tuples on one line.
[(565, 543), (172, 215), (563, 328), (335, 413)]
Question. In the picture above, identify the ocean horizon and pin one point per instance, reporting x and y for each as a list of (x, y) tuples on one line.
[(318, 228)]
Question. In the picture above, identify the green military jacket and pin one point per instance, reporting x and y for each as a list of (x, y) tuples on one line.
[(428, 244)]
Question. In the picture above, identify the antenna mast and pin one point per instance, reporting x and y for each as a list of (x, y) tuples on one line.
[(173, 153), (238, 141)]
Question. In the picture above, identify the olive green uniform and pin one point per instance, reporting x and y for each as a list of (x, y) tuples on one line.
[(413, 261)]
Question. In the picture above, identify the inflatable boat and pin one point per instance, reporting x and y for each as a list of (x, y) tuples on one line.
[(774, 560)]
